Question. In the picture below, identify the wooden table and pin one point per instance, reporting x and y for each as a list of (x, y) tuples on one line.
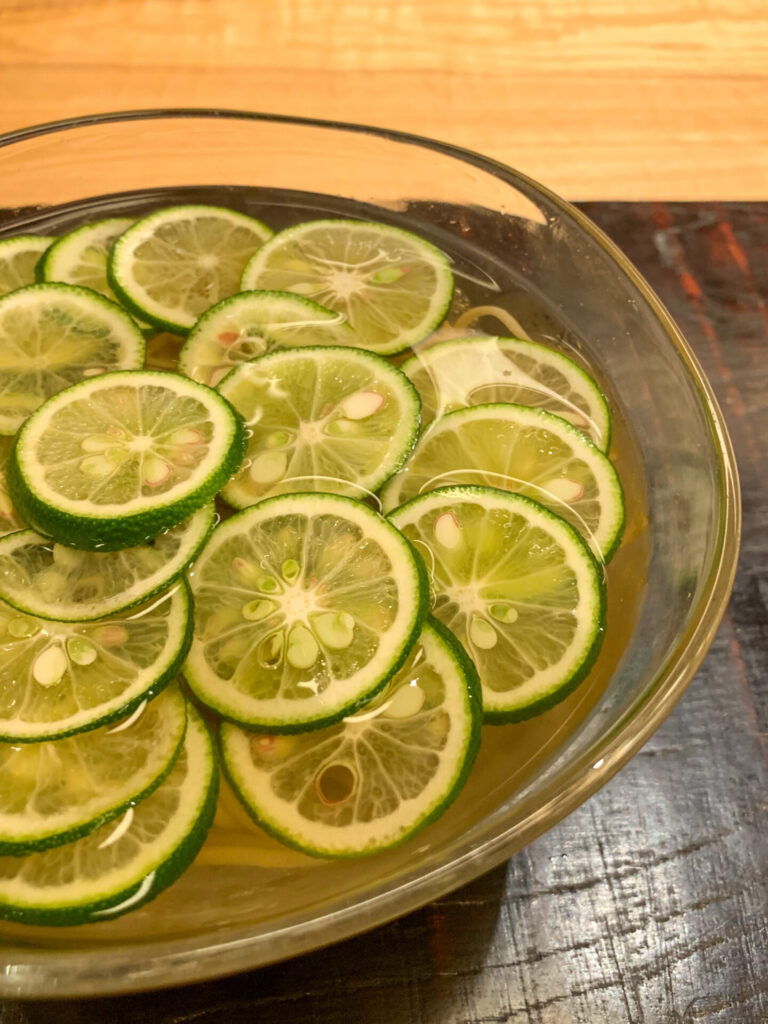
[(626, 99)]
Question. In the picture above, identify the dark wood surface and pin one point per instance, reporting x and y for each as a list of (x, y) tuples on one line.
[(649, 904)]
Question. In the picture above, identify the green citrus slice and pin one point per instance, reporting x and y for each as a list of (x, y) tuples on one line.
[(392, 286), (175, 263), (519, 449), (305, 605), (42, 578), (10, 520), (519, 588), (252, 323), (479, 371), (54, 792), (373, 780), (80, 257), (114, 461), (54, 335), (326, 419), (61, 678), (18, 259), (120, 866)]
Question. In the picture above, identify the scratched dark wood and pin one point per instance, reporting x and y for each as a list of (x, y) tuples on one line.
[(648, 905)]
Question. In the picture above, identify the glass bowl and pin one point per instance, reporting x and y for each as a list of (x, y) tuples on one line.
[(668, 585)]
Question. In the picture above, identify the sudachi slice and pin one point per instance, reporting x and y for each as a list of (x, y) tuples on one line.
[(61, 678), (374, 779), (330, 419), (528, 451), (519, 588), (305, 605), (114, 461), (56, 791), (250, 324), (393, 287), (123, 864), (54, 335)]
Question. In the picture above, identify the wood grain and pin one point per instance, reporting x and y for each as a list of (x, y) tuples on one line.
[(599, 100), (649, 904)]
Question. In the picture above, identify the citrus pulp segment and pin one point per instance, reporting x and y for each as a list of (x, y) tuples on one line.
[(326, 419), (18, 258), (61, 678), (483, 370), (175, 263), (529, 451), (393, 287), (305, 605), (374, 779), (56, 791), (122, 865), (517, 586), (114, 461), (42, 578), (54, 335), (250, 324)]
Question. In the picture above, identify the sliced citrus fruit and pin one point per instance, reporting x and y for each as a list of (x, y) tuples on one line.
[(10, 520), (326, 419), (519, 588), (175, 263), (392, 286), (18, 259), (53, 335), (122, 865), (479, 371), (80, 257), (373, 780), (305, 605), (54, 792), (61, 678), (519, 449), (42, 578), (250, 324), (114, 461)]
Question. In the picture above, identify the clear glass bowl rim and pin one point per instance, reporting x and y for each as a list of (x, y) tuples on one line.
[(176, 962)]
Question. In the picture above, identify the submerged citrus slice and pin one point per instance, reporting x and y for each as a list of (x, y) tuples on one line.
[(43, 578), (478, 371), (51, 793), (374, 779), (326, 419), (53, 335), (392, 286), (175, 263), (18, 259), (123, 864), (305, 605), (80, 257), (114, 461), (10, 520), (250, 324), (60, 678), (529, 451), (517, 586)]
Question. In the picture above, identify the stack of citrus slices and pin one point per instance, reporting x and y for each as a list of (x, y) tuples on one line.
[(339, 562)]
